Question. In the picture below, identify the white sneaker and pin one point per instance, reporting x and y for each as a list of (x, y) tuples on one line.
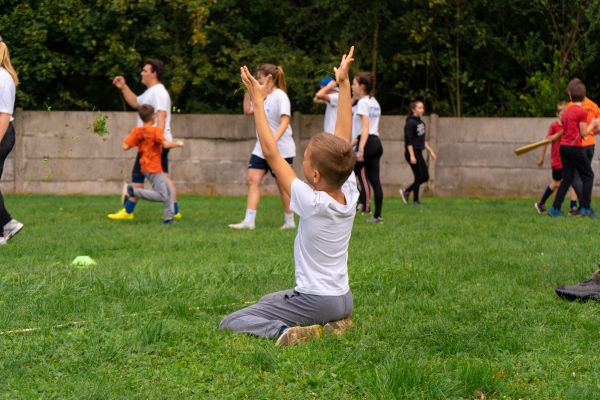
[(288, 225), (11, 229), (242, 225), (3, 240)]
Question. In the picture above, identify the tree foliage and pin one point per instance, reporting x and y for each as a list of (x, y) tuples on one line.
[(475, 57)]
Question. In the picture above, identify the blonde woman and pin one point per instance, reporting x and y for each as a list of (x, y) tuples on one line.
[(8, 84)]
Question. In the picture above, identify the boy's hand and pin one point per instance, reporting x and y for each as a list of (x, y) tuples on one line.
[(342, 72), (119, 81), (179, 143), (255, 90)]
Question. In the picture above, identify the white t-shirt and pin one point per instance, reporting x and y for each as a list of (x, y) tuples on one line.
[(158, 97), (366, 106), (331, 113), (321, 245), (277, 104), (7, 93)]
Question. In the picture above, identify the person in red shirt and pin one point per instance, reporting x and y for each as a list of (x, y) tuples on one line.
[(554, 133), (574, 121), (150, 141)]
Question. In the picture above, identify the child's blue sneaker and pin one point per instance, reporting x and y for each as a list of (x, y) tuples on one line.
[(553, 212), (588, 212)]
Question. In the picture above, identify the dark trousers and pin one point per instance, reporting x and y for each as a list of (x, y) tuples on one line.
[(367, 173), (6, 146), (574, 159), (419, 170), (577, 183)]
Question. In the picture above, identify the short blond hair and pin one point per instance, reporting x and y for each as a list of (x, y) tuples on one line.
[(332, 156)]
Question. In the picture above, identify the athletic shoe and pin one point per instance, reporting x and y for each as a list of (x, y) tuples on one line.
[(338, 327), (416, 203), (242, 225), (3, 240), (11, 229), (168, 221), (299, 334), (177, 216), (586, 290), (120, 215), (587, 212), (404, 196), (375, 220), (553, 212), (574, 211), (286, 225), (540, 207)]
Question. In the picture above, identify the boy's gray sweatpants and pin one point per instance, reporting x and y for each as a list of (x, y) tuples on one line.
[(285, 309), (161, 191)]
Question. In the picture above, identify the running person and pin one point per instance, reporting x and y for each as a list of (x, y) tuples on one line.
[(365, 127), (278, 110), (414, 144), (8, 84), (158, 97), (328, 94)]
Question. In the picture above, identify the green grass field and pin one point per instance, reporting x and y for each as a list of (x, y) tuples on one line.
[(452, 299)]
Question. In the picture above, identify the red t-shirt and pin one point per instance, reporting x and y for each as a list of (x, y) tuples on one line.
[(149, 140), (570, 121), (555, 162)]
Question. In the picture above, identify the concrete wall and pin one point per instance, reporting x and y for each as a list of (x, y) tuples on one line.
[(57, 152)]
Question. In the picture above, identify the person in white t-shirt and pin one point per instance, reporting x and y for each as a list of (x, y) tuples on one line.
[(158, 97), (278, 110), (328, 94), (326, 204), (365, 129), (8, 84)]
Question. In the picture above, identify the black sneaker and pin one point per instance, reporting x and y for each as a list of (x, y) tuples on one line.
[(586, 290), (540, 207)]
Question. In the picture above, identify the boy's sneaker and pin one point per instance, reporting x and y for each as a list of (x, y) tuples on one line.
[(288, 225), (553, 212), (540, 207), (120, 215), (177, 216), (573, 211), (11, 229), (375, 220), (338, 327), (168, 221), (404, 196), (299, 334), (242, 225)]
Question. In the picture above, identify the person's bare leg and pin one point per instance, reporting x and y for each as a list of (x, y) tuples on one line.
[(254, 178)]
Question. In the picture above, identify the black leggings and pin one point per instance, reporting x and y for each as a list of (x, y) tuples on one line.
[(367, 172), (574, 159), (420, 172), (6, 146)]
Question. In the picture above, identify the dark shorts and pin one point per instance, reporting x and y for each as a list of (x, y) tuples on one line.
[(557, 174), (136, 174), (260, 163)]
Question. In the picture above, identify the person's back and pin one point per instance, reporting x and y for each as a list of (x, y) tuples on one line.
[(149, 140)]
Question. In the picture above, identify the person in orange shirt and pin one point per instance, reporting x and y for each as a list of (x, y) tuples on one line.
[(588, 143), (150, 141)]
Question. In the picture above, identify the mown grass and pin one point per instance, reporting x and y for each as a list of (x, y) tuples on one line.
[(452, 299)]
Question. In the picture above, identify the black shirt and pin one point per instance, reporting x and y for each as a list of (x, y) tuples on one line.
[(414, 133)]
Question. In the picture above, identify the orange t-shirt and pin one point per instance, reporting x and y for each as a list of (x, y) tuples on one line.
[(149, 140), (593, 112)]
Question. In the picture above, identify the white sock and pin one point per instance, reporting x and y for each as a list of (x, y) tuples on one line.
[(289, 218), (250, 215)]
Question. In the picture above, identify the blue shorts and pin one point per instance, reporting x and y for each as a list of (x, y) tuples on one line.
[(260, 163)]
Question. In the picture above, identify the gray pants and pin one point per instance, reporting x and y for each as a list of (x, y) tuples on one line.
[(161, 191), (285, 309)]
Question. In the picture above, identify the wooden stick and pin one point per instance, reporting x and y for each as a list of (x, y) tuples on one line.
[(531, 146)]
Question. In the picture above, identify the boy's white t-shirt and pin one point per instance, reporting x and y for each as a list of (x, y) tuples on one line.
[(366, 106), (331, 113), (7, 93), (158, 97), (277, 104), (321, 245)]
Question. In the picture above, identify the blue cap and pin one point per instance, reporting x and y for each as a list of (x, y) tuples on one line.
[(325, 81)]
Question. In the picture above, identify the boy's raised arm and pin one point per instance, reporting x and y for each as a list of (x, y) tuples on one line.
[(343, 125), (257, 94)]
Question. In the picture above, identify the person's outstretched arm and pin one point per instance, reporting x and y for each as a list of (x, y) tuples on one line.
[(257, 94), (343, 124)]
